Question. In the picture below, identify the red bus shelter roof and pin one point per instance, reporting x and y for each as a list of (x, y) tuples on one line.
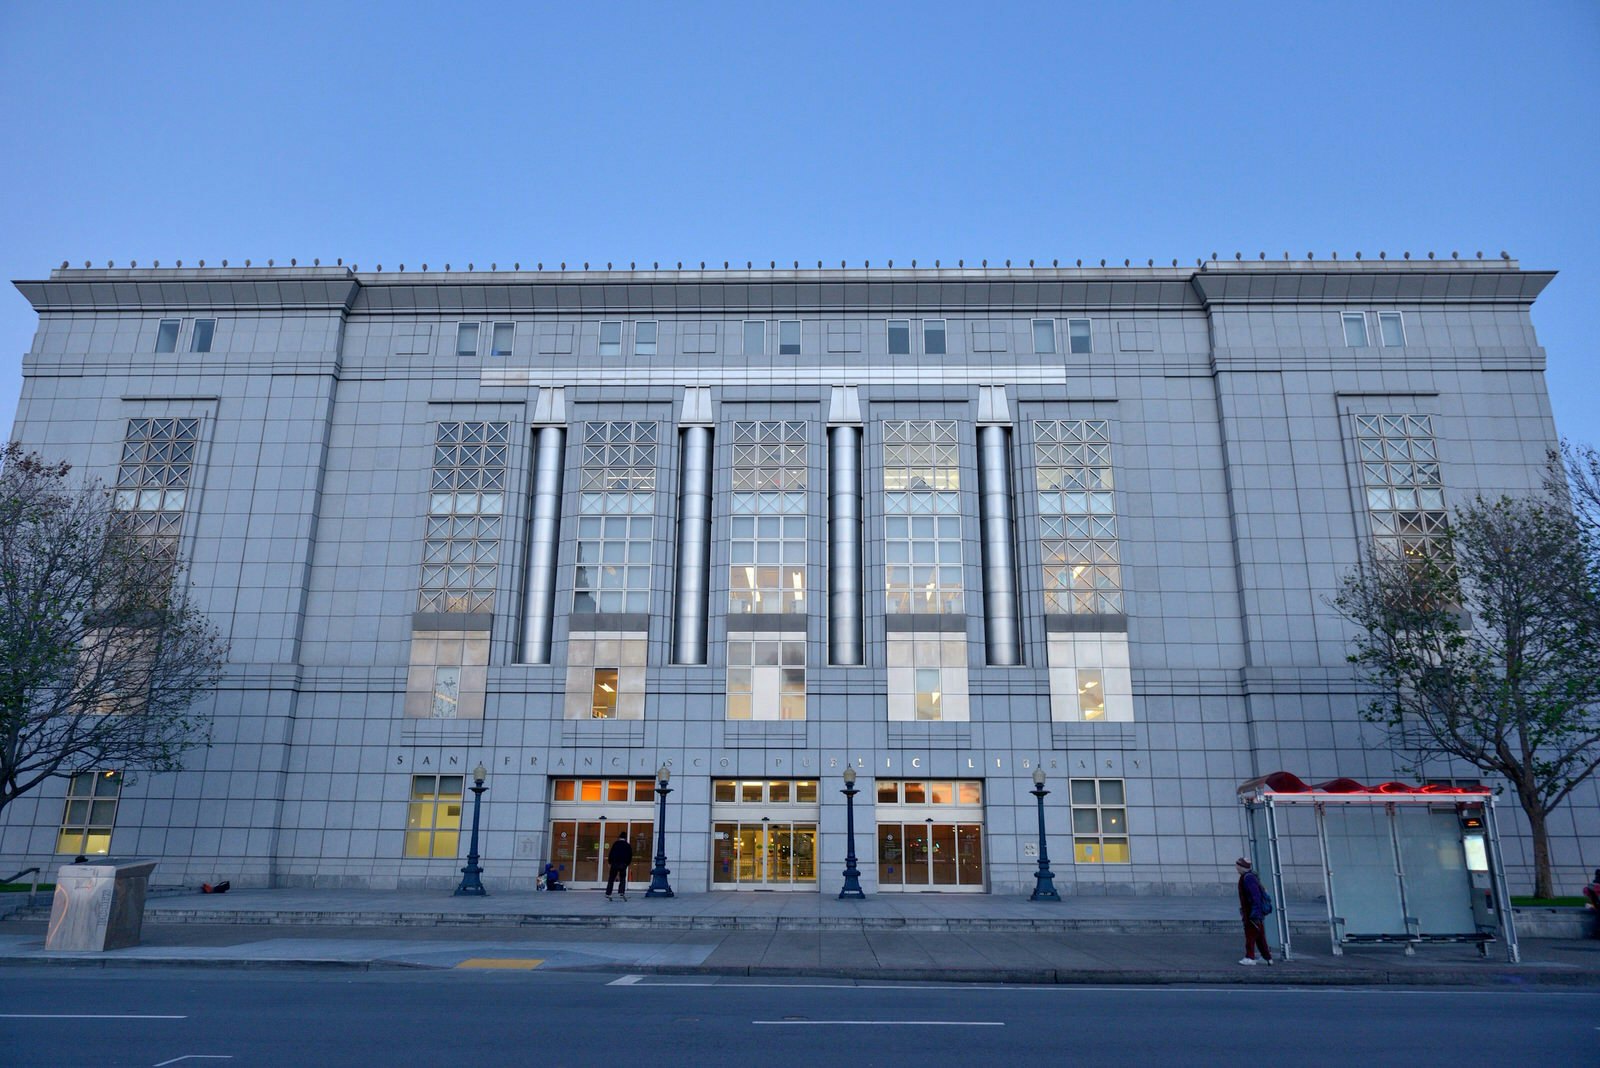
[(1282, 783)]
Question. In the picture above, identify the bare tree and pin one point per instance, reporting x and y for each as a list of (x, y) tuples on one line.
[(1489, 651), (1575, 471), (102, 656)]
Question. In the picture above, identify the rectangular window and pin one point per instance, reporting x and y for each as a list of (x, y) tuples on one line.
[(616, 517), (755, 339), (1391, 327), (158, 457), (167, 336), (1099, 822), (789, 338), (1044, 336), (1405, 491), (767, 677), (933, 337), (1080, 337), (899, 337), (1355, 329), (1077, 516), (200, 340), (611, 339), (927, 677), (433, 818), (922, 516), (644, 338), (504, 335), (461, 551), (466, 339), (603, 700), (767, 531), (446, 692), (90, 813)]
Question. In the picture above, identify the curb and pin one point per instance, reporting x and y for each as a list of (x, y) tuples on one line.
[(1287, 976)]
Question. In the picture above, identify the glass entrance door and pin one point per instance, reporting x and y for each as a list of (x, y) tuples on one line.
[(930, 835), (764, 856)]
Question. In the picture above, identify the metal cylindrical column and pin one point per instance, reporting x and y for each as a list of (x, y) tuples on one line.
[(844, 546), (999, 554), (690, 611), (544, 540)]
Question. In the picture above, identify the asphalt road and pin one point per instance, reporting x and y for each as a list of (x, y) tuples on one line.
[(503, 1018)]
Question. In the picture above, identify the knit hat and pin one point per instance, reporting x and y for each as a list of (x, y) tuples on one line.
[(1242, 864)]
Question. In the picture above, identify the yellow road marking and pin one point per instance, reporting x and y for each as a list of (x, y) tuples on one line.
[(516, 963)]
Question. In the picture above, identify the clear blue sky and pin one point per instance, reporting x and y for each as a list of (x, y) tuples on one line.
[(388, 133)]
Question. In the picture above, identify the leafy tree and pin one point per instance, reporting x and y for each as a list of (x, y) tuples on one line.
[(1488, 651), (102, 656)]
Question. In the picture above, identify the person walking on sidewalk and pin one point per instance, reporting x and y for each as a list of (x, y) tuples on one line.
[(1252, 910), (620, 857)]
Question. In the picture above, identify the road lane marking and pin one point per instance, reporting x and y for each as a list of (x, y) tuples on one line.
[(1251, 989), (82, 1016), (196, 1057), (880, 1023), (629, 980), (522, 964)]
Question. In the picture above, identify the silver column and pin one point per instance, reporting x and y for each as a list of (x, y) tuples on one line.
[(844, 546), (544, 540), (690, 612), (999, 554)]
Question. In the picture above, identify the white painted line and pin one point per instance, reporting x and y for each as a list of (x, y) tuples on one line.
[(880, 1023), (197, 1057), (1251, 989), (630, 980), (82, 1016)]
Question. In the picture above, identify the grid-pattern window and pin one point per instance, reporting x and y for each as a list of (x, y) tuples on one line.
[(1077, 516), (167, 335), (466, 339), (644, 338), (461, 553), (1044, 336), (1400, 475), (204, 331), (927, 678), (1080, 337), (433, 818), (767, 548), (158, 457), (616, 507), (1099, 821), (90, 813), (922, 516), (505, 335), (605, 675), (789, 338), (767, 677)]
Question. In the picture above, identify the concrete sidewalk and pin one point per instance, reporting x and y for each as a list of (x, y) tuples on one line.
[(886, 937)]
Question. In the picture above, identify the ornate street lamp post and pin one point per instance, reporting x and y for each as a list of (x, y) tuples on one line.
[(471, 885), (659, 887), (852, 876), (1044, 880)]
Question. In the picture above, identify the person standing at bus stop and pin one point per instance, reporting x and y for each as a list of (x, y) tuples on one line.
[(1253, 912), (619, 858)]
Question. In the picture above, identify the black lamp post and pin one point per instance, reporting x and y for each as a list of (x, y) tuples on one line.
[(1044, 880), (659, 887), (471, 885), (852, 876)]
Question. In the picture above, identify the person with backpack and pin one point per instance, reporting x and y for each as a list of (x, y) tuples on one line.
[(619, 858), (1254, 907)]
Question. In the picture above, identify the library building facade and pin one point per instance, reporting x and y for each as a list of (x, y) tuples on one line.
[(735, 531)]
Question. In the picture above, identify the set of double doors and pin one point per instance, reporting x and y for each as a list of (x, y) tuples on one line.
[(764, 856), (930, 856), (578, 849)]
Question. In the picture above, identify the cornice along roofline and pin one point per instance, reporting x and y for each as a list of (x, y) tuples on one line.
[(840, 290)]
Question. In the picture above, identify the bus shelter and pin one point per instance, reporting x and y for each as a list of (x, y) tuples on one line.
[(1400, 864)]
